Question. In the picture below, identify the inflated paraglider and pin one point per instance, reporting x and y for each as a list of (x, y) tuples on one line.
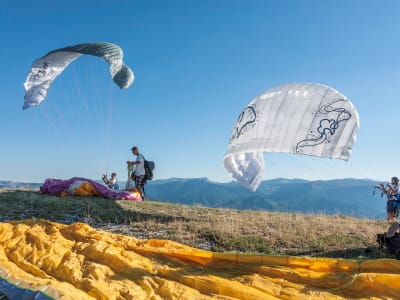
[(44, 70), (300, 118)]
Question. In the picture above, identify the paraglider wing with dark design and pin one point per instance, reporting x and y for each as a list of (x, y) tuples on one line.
[(300, 118), (45, 69)]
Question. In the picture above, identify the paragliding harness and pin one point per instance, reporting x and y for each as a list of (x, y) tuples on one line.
[(393, 201)]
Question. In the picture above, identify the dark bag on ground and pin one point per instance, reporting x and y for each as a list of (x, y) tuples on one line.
[(392, 244)]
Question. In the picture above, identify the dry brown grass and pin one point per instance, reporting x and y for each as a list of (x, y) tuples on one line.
[(206, 228)]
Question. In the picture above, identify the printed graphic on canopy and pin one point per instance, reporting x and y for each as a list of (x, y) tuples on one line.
[(45, 69), (299, 118)]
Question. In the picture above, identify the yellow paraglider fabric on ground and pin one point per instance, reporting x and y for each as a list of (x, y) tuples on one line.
[(77, 262)]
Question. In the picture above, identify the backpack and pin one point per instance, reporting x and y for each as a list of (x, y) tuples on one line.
[(393, 245), (148, 168)]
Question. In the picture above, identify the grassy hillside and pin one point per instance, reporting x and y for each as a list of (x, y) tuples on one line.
[(212, 229)]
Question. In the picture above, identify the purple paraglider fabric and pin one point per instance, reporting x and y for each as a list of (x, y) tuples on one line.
[(79, 186)]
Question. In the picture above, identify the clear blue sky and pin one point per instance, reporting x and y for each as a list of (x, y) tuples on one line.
[(197, 64)]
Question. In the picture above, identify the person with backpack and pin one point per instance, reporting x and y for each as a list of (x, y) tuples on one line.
[(138, 175)]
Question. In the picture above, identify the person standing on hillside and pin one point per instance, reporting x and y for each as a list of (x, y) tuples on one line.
[(139, 173), (392, 190)]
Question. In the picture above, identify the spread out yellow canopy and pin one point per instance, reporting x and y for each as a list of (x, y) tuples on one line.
[(77, 262)]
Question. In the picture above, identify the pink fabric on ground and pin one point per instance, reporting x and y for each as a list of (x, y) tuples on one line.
[(57, 186)]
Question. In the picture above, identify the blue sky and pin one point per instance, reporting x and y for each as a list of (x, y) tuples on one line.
[(197, 64)]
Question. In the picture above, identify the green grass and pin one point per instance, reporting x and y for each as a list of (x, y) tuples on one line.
[(223, 230)]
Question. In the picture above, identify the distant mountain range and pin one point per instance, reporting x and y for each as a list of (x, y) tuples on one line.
[(341, 196), (8, 184)]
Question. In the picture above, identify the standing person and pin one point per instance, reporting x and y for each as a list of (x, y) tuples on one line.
[(392, 190), (139, 172)]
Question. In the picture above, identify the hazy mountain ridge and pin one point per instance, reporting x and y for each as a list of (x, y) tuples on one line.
[(339, 196), (9, 184), (344, 196)]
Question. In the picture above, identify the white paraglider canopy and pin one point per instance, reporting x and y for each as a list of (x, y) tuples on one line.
[(299, 118), (45, 70)]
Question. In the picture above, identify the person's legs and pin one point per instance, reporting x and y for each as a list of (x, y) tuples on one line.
[(139, 184), (391, 210), (143, 191)]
